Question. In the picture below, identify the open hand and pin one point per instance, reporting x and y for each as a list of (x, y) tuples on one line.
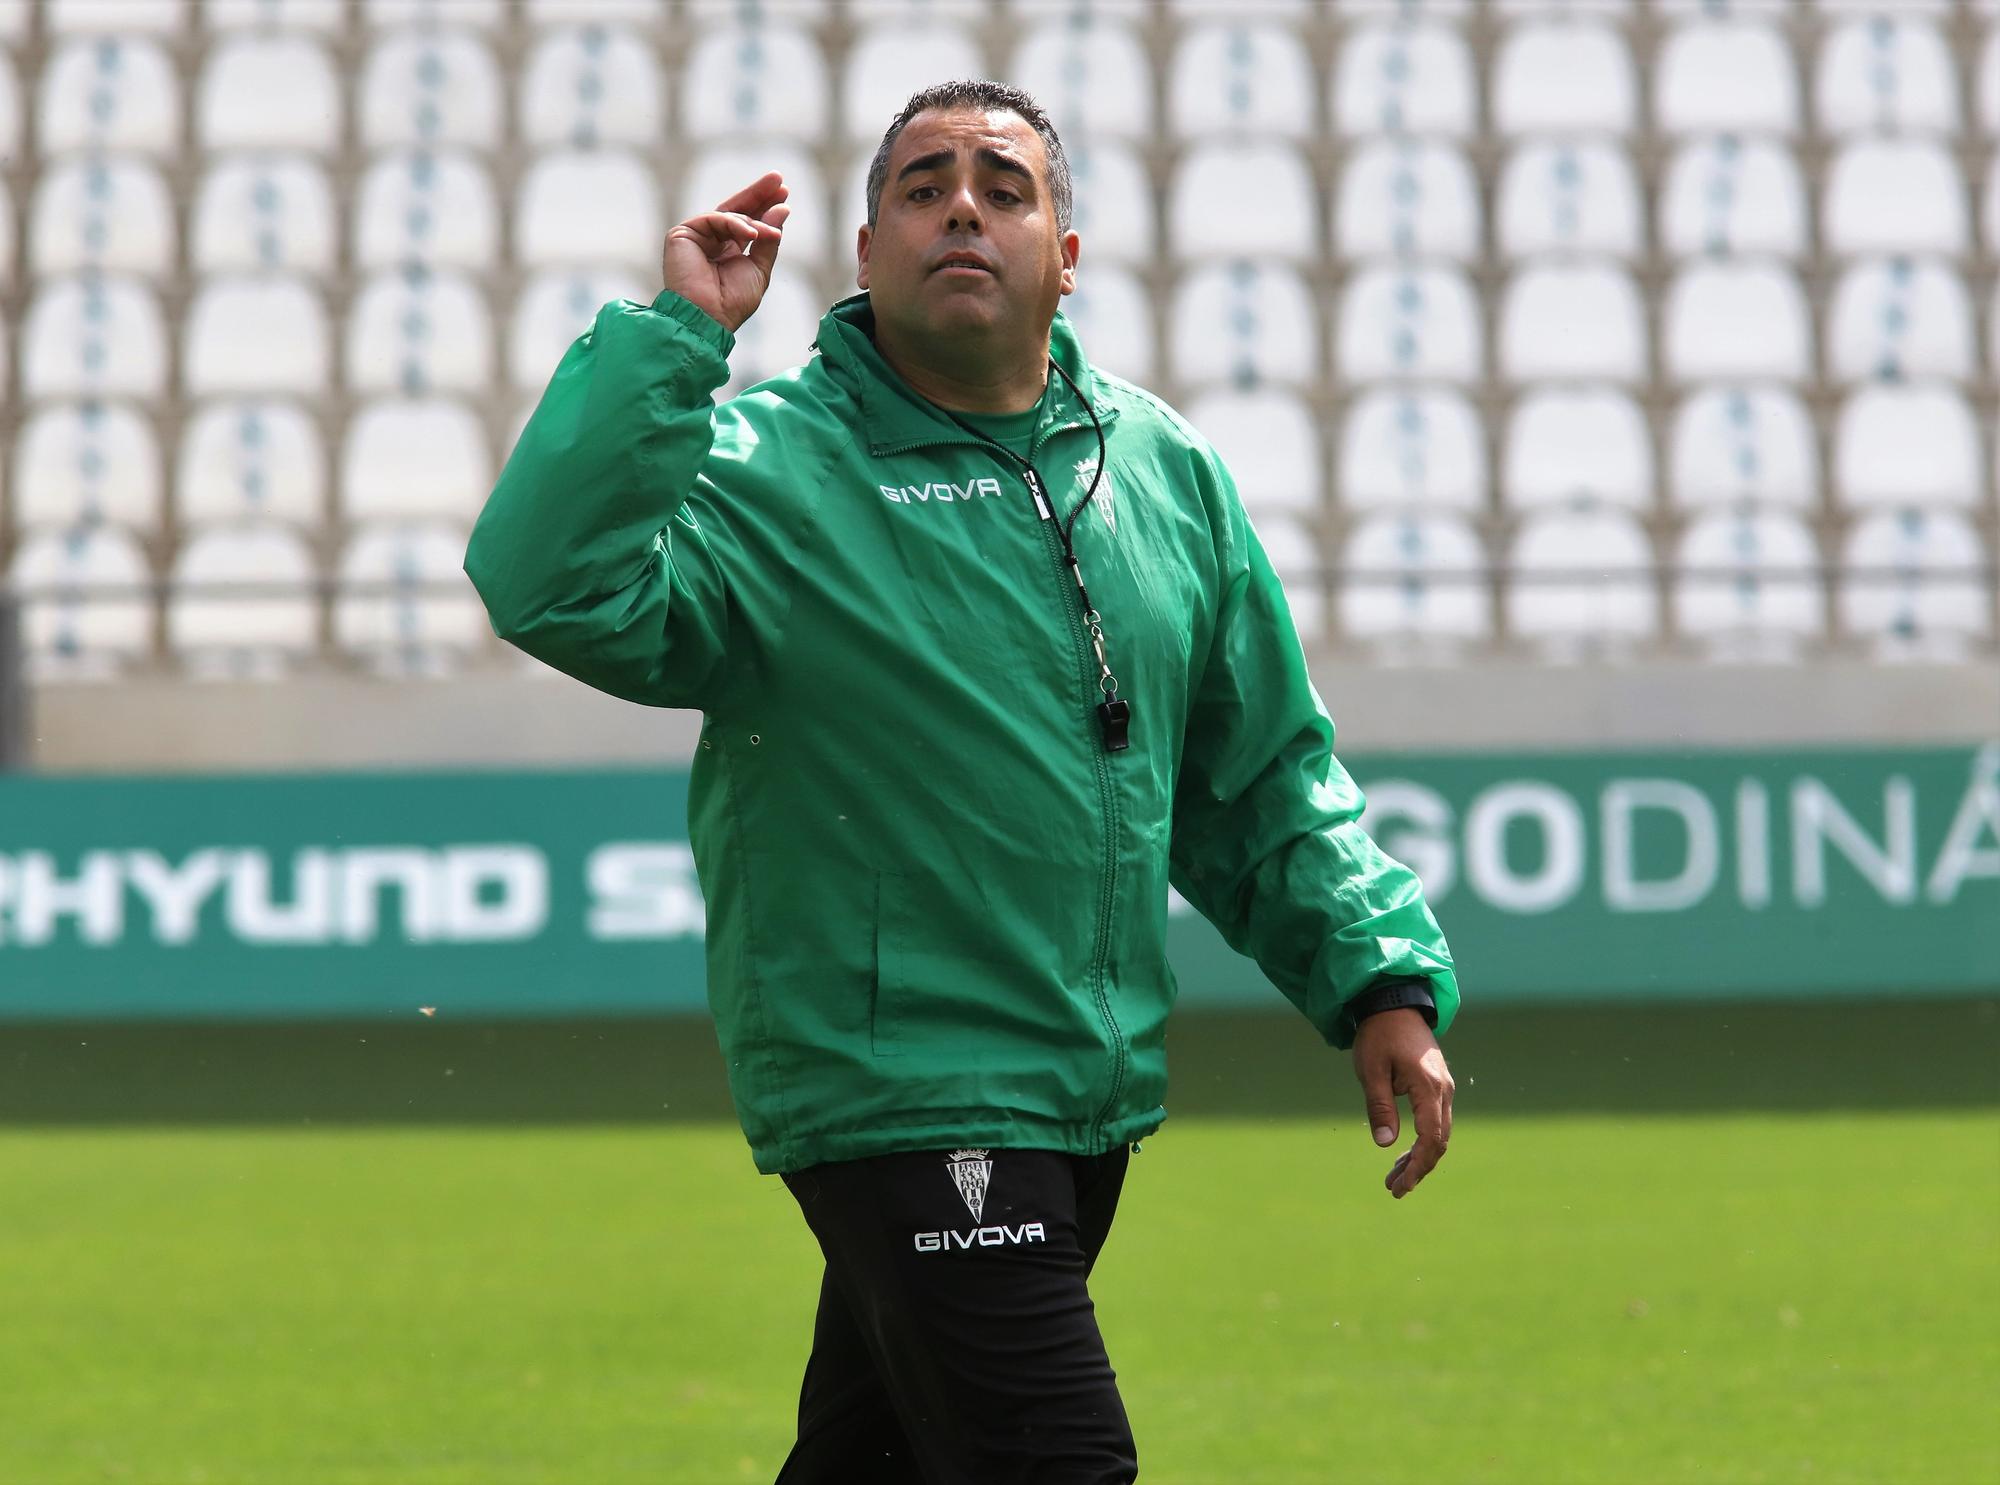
[(705, 261), (1395, 1053)]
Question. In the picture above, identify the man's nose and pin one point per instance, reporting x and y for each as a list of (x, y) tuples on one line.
[(963, 212)]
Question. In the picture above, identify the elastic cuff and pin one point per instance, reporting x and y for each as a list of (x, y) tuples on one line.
[(686, 312)]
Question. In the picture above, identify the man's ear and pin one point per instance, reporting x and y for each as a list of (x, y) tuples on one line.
[(1072, 249), (861, 253)]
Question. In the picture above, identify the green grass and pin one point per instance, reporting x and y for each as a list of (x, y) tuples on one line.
[(1651, 1298)]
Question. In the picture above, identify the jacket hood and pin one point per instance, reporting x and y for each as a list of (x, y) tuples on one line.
[(895, 416)]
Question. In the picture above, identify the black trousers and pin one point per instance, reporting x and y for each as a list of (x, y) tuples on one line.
[(956, 1342)]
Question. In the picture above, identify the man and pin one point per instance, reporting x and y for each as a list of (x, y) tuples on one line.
[(989, 655)]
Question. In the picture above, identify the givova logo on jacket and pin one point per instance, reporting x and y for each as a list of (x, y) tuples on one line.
[(972, 1172), (944, 492)]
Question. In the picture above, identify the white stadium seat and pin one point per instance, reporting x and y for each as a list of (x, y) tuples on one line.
[(1886, 72), (1736, 319), (1569, 196), (263, 214), (1989, 82), (327, 17), (1415, 579), (120, 17), (419, 332), (1564, 77), (1291, 11), (480, 15), (776, 338), (1733, 445), (14, 22), (557, 306), (590, 85), (1242, 321), (429, 88), (1219, 188), (641, 13), (406, 458), (756, 79), (907, 12), (1911, 584), (85, 608), (1747, 585), (1414, 321), (1992, 212), (1759, 10), (405, 605), (1898, 446), (1403, 196), (10, 109), (1411, 448), (242, 602), (1894, 195), (1581, 580), (1090, 72), (82, 462), (813, 230), (890, 61), (268, 92), (1113, 203), (251, 460), (101, 211), (1113, 316), (258, 335), (426, 206), (109, 93), (93, 335), (1726, 75), (1577, 446), (1240, 78), (588, 206), (6, 239), (1725, 194), (1580, 320), (1416, 79), (1900, 318), (1269, 440)]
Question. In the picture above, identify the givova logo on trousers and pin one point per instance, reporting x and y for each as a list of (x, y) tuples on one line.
[(972, 1172)]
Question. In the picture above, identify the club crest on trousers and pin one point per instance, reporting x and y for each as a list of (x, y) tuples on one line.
[(971, 1172)]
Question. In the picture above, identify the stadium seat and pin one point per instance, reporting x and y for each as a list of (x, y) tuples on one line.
[(99, 211), (426, 206), (1411, 448), (1113, 203), (479, 15), (1409, 321), (79, 463), (1989, 82), (1569, 196), (1295, 12), (1725, 76), (778, 337), (326, 17), (114, 93), (164, 18), (1560, 77), (1897, 318), (93, 335), (890, 61), (1915, 585), (1407, 197), (907, 12), (1733, 445), (639, 13), (1113, 315), (1758, 10), (1090, 72), (242, 604), (588, 206), (1992, 195), (1240, 78), (6, 238), (1294, 553), (756, 79), (813, 231), (1579, 581), (405, 606), (1220, 187), (1894, 195), (1577, 447), (1624, 11), (14, 23), (1886, 72), (591, 85), (1729, 195), (10, 109), (1579, 320), (85, 608), (251, 460), (1395, 78), (1270, 443), (555, 308), (430, 88), (1736, 319), (268, 92), (409, 458), (1243, 322), (415, 332), (1414, 579), (256, 335), (1747, 585), (1914, 445), (263, 214)]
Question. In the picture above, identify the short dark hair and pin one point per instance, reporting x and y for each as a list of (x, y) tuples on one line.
[(985, 96)]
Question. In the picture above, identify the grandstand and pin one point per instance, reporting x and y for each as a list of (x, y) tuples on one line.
[(1643, 330)]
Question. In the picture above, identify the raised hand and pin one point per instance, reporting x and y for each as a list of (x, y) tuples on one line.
[(705, 260)]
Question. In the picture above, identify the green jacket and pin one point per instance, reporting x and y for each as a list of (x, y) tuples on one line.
[(937, 906)]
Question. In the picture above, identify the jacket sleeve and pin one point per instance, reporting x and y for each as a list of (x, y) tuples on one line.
[(1267, 843), (598, 551)]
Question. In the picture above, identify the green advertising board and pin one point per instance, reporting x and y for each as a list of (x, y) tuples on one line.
[(1555, 876)]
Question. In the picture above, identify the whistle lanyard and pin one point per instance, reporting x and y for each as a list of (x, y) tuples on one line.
[(1114, 712)]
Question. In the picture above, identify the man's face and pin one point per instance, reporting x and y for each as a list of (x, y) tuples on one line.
[(966, 184)]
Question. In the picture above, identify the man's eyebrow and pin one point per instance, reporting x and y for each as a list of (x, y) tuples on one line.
[(985, 154)]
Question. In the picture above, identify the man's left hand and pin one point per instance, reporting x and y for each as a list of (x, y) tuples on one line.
[(1395, 1053)]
